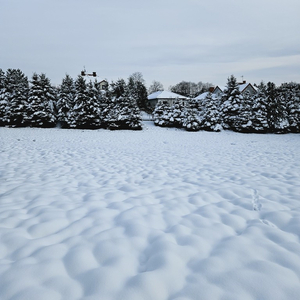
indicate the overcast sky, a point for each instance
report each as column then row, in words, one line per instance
column 166, row 40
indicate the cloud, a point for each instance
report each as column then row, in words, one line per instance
column 165, row 40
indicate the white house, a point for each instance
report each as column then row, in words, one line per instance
column 164, row 96
column 219, row 90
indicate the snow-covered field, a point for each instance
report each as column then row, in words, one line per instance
column 153, row 214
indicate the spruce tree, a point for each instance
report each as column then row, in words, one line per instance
column 85, row 113
column 124, row 114
column 137, row 90
column 16, row 96
column 3, row 100
column 277, row 119
column 289, row 95
column 211, row 114
column 259, row 116
column 77, row 112
column 231, row 106
column 41, row 100
column 245, row 113
column 162, row 114
column 177, row 114
column 65, row 102
column 191, row 119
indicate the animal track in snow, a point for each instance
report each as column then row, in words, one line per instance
column 255, row 201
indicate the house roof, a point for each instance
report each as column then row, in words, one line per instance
column 241, row 87
column 203, row 96
column 165, row 95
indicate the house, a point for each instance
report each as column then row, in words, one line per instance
column 103, row 84
column 218, row 91
column 164, row 96
column 245, row 87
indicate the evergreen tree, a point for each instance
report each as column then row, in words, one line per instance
column 277, row 120
column 259, row 116
column 289, row 95
column 118, row 88
column 177, row 114
column 162, row 114
column 191, row 120
column 231, row 106
column 245, row 113
column 65, row 103
column 16, row 96
column 124, row 114
column 211, row 114
column 3, row 101
column 86, row 110
column 137, row 90
column 42, row 96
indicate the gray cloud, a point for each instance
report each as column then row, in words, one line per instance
column 165, row 40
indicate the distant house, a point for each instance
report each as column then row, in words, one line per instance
column 219, row 90
column 103, row 84
column 245, row 87
column 164, row 96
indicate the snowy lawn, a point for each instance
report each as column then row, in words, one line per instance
column 153, row 214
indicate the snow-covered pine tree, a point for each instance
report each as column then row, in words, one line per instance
column 289, row 95
column 41, row 99
column 277, row 119
column 137, row 90
column 177, row 114
column 16, row 95
column 231, row 104
column 124, row 114
column 211, row 114
column 191, row 120
column 3, row 101
column 65, row 102
column 85, row 113
column 118, row 88
column 259, row 116
column 245, row 113
column 162, row 114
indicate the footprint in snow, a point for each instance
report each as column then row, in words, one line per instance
column 255, row 201
column 266, row 222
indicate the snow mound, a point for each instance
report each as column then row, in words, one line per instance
column 153, row 214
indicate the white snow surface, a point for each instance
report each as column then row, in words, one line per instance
column 153, row 214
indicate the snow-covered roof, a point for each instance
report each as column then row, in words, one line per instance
column 241, row 87
column 204, row 95
column 165, row 95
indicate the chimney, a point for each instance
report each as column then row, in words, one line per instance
column 211, row 89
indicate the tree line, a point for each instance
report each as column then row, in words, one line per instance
column 74, row 104
column 270, row 110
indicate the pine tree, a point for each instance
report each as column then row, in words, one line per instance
column 42, row 96
column 211, row 116
column 277, row 119
column 124, row 114
column 16, row 96
column 259, row 116
column 245, row 113
column 177, row 114
column 3, row 101
column 86, row 112
column 65, row 102
column 289, row 95
column 137, row 90
column 191, row 118
column 231, row 105
column 162, row 114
